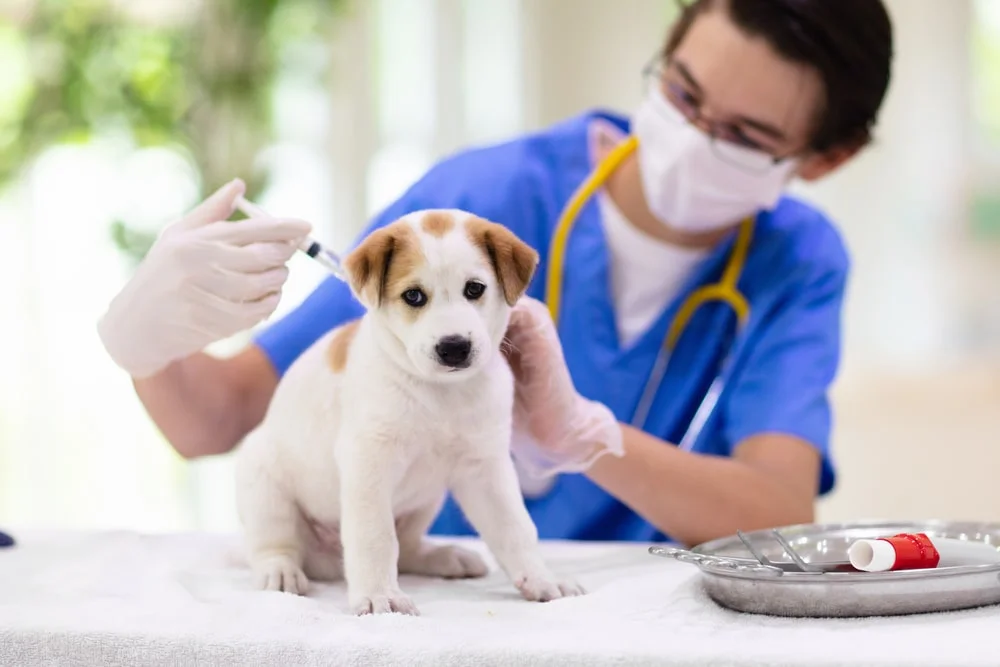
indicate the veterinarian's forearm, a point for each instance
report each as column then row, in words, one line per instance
column 205, row 406
column 696, row 497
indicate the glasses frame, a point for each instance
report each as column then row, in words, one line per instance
column 751, row 160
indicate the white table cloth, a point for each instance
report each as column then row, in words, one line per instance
column 129, row 599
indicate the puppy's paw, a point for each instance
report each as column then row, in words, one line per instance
column 384, row 602
column 279, row 573
column 446, row 561
column 543, row 588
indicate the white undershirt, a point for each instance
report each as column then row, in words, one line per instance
column 646, row 273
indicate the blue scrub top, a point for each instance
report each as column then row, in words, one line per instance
column 785, row 358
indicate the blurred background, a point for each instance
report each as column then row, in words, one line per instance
column 117, row 115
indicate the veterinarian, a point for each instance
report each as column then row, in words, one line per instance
column 723, row 409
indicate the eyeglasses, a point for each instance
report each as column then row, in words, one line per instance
column 728, row 141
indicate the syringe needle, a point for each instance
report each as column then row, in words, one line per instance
column 309, row 245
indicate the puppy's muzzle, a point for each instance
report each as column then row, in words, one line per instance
column 454, row 352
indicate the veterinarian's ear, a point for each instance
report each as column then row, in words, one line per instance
column 367, row 266
column 513, row 260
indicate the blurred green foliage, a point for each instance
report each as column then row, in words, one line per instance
column 199, row 82
column 985, row 46
column 986, row 216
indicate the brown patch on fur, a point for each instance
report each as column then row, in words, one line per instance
column 514, row 261
column 340, row 344
column 437, row 223
column 382, row 262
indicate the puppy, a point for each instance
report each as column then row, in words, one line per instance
column 371, row 427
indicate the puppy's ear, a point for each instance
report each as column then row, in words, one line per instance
column 513, row 260
column 367, row 266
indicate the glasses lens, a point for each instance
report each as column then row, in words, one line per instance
column 681, row 103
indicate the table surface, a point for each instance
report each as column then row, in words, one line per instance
column 115, row 598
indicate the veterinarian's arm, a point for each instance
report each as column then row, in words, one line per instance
column 205, row 406
column 777, row 419
column 690, row 497
column 771, row 480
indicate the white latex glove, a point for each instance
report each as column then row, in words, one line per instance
column 555, row 428
column 204, row 279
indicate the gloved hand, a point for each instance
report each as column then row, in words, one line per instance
column 204, row 279
column 555, row 428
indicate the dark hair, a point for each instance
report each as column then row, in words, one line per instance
column 848, row 42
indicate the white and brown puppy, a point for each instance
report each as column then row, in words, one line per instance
column 377, row 420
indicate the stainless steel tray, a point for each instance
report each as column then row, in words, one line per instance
column 736, row 579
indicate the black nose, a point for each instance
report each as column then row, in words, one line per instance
column 453, row 351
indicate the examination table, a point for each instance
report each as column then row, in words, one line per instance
column 129, row 599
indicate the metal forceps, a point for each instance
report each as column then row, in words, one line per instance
column 764, row 565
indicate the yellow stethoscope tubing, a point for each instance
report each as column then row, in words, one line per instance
column 725, row 291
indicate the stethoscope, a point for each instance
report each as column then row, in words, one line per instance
column 725, row 291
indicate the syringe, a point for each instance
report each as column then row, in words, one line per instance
column 309, row 245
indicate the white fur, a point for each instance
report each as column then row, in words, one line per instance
column 348, row 470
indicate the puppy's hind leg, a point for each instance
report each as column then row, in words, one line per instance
column 272, row 525
column 418, row 555
column 324, row 558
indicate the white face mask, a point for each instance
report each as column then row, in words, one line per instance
column 687, row 185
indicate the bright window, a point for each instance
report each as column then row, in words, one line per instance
column 986, row 70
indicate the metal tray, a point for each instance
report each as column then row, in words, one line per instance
column 734, row 578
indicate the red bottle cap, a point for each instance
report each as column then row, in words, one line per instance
column 914, row 551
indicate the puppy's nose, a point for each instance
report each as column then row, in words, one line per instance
column 453, row 351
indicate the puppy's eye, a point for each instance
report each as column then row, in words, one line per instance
column 414, row 298
column 474, row 289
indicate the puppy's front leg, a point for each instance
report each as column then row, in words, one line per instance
column 488, row 492
column 368, row 528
